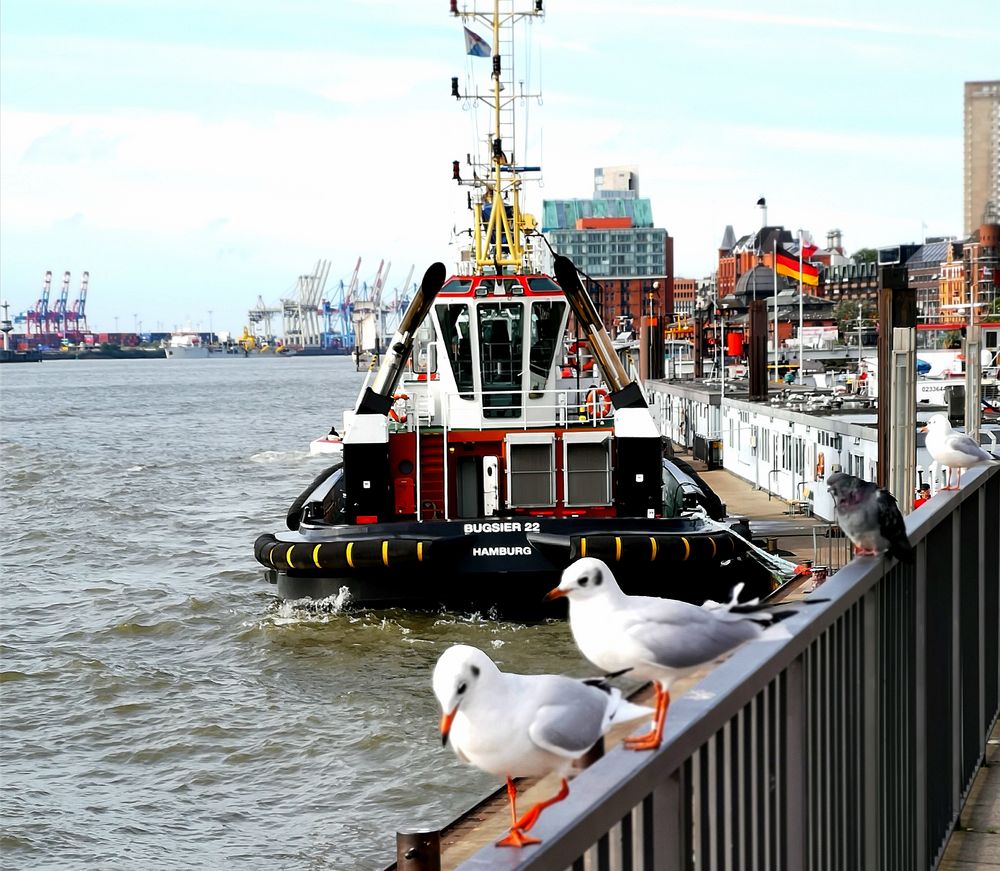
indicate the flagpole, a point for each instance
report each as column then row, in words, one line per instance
column 774, row 271
column 802, row 377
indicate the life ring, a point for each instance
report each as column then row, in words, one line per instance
column 398, row 416
column 820, row 465
column 598, row 403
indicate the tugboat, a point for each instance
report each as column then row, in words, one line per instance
column 472, row 473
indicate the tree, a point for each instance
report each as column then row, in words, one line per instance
column 847, row 316
column 865, row 255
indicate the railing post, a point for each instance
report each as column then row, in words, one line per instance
column 671, row 835
column 870, row 747
column 981, row 605
column 797, row 812
column 956, row 658
column 418, row 850
column 920, row 707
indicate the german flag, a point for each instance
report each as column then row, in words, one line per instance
column 788, row 265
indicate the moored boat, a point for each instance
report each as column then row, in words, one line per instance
column 472, row 473
column 331, row 443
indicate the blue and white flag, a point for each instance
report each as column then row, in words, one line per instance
column 476, row 45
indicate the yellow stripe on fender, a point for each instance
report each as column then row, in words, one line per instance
column 288, row 556
column 420, row 551
column 385, row 553
column 687, row 548
column 652, row 545
column 583, row 547
column 618, row 548
column 350, row 547
column 316, row 557
column 714, row 547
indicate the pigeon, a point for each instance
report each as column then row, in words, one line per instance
column 654, row 639
column 517, row 725
column 870, row 517
column 952, row 449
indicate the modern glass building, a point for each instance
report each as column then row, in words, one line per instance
column 611, row 237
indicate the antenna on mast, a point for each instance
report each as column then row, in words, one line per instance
column 500, row 226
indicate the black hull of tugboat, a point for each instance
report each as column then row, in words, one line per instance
column 504, row 566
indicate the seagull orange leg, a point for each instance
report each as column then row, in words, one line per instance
column 515, row 837
column 651, row 740
column 531, row 817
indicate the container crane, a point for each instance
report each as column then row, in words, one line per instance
column 392, row 322
column 55, row 321
column 347, row 325
column 377, row 291
column 366, row 318
column 78, row 312
column 39, row 314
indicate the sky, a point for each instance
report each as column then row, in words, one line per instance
column 196, row 156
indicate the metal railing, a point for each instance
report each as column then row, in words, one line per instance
column 850, row 745
column 563, row 407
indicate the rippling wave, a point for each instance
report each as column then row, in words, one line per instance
column 159, row 707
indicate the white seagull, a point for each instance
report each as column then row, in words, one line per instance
column 654, row 639
column 952, row 449
column 518, row 725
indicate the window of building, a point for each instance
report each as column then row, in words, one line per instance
column 786, row 453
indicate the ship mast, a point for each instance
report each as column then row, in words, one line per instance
column 499, row 224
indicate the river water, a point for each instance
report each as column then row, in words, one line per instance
column 159, row 708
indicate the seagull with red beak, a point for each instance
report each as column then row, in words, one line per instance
column 659, row 640
column 518, row 725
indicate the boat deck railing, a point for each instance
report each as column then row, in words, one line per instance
column 514, row 409
column 852, row 744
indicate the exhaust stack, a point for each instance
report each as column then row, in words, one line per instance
column 625, row 393
column 377, row 398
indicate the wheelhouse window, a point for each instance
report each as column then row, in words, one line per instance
column 455, row 322
column 546, row 330
column 501, row 335
column 424, row 354
column 542, row 283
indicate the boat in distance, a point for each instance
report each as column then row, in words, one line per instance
column 472, row 473
column 186, row 346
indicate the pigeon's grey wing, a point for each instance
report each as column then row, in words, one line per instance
column 966, row 445
column 570, row 720
column 694, row 642
column 892, row 527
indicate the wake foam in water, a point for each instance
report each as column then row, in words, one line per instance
column 279, row 456
column 296, row 611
